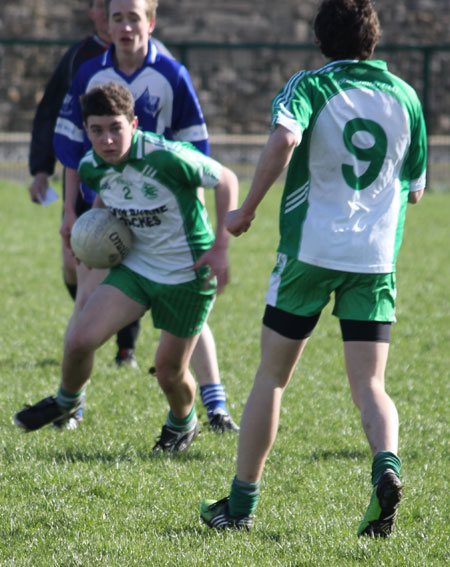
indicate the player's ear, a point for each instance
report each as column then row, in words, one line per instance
column 86, row 129
column 151, row 26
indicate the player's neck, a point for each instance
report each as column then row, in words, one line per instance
column 128, row 63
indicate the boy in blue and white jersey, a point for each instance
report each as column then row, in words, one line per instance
column 353, row 136
column 172, row 268
column 165, row 103
column 165, row 99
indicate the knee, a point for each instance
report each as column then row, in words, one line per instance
column 272, row 378
column 169, row 373
column 367, row 391
column 78, row 343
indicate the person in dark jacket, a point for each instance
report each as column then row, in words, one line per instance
column 41, row 157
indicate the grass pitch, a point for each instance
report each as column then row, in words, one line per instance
column 98, row 497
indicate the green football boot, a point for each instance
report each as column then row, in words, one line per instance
column 380, row 515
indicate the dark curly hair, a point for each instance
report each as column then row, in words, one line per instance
column 109, row 99
column 347, row 29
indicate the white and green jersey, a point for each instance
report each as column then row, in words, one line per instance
column 361, row 150
column 155, row 193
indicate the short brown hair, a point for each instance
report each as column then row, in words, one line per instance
column 347, row 29
column 109, row 99
column 151, row 8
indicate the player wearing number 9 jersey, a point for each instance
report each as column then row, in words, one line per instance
column 361, row 150
column 353, row 137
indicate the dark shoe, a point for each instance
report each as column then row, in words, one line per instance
column 380, row 516
column 215, row 514
column 221, row 422
column 126, row 357
column 44, row 412
column 71, row 423
column 171, row 440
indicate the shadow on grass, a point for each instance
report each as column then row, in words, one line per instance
column 11, row 363
column 346, row 454
column 127, row 454
column 203, row 531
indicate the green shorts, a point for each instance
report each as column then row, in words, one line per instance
column 304, row 289
column 180, row 309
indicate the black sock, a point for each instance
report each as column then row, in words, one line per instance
column 127, row 337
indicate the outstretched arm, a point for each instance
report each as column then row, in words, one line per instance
column 226, row 200
column 274, row 158
column 226, row 196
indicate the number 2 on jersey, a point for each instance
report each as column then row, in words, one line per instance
column 374, row 154
column 127, row 194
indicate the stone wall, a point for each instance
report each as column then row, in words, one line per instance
column 235, row 86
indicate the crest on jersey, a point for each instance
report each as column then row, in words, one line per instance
column 104, row 186
column 149, row 103
column 149, row 191
column 66, row 107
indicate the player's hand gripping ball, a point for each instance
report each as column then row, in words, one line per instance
column 99, row 239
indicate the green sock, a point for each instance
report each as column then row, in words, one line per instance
column 244, row 497
column 382, row 461
column 184, row 424
column 67, row 400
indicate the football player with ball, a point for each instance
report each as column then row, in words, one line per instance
column 165, row 103
column 174, row 268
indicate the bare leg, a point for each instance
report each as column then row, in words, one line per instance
column 92, row 326
column 259, row 424
column 204, row 359
column 69, row 265
column 172, row 371
column 366, row 364
column 87, row 282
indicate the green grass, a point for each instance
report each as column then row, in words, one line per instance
column 98, row 497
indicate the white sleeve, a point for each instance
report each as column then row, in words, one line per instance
column 287, row 119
